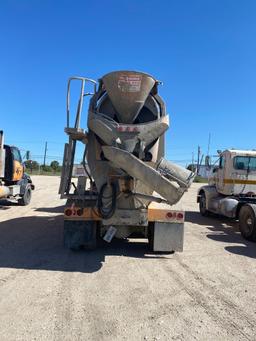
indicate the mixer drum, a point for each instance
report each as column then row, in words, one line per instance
column 128, row 121
column 128, row 91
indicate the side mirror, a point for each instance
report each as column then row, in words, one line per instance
column 215, row 169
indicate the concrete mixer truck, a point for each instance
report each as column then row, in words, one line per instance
column 127, row 187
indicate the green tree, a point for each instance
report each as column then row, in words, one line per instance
column 46, row 168
column 55, row 165
column 31, row 165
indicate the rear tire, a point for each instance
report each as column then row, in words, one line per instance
column 26, row 198
column 247, row 221
column 202, row 205
column 151, row 230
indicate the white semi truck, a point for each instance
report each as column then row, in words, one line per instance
column 231, row 191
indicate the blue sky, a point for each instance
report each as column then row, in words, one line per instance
column 203, row 51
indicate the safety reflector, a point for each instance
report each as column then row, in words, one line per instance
column 174, row 215
column 79, row 212
column 68, row 212
column 169, row 215
column 180, row 215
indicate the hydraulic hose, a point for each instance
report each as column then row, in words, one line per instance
column 84, row 165
column 105, row 212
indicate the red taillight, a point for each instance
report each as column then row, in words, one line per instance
column 175, row 215
column 68, row 212
column 180, row 215
column 79, row 212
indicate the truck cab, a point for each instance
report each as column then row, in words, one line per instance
column 14, row 182
column 14, row 169
column 232, row 190
column 236, row 173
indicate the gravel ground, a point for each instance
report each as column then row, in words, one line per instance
column 121, row 291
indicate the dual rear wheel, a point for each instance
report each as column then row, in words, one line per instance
column 247, row 218
column 202, row 205
column 247, row 221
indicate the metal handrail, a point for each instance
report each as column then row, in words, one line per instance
column 80, row 102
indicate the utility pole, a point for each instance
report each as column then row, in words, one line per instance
column 198, row 159
column 209, row 142
column 45, row 151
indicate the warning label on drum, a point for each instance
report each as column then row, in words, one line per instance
column 129, row 83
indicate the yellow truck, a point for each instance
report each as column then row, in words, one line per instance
column 14, row 182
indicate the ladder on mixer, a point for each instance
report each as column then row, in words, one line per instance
column 75, row 134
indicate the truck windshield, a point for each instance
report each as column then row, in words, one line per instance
column 221, row 162
column 245, row 162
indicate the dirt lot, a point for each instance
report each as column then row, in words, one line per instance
column 121, row 291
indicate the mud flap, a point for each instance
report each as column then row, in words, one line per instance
column 168, row 237
column 79, row 234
